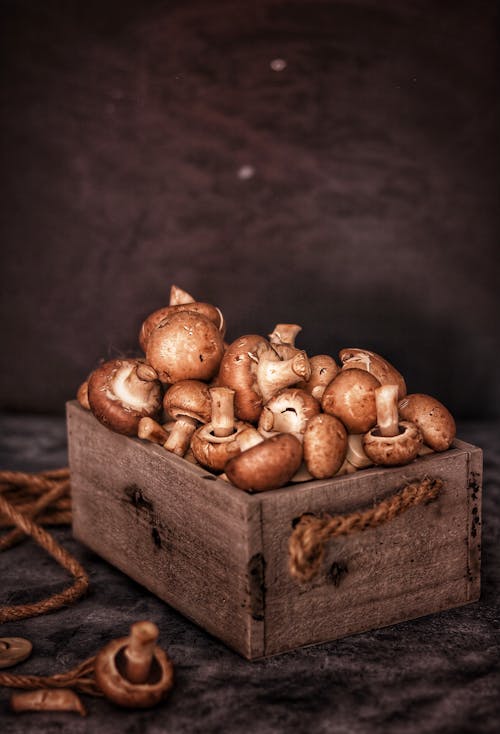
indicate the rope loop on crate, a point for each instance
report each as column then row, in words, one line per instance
column 306, row 544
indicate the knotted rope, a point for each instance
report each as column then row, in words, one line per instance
column 307, row 542
column 80, row 679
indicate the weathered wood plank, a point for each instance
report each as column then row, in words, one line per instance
column 414, row 565
column 169, row 525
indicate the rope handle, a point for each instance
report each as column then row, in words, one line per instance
column 306, row 545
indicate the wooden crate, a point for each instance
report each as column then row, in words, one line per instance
column 220, row 556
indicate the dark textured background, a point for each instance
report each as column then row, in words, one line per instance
column 371, row 217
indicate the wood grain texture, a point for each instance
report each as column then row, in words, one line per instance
column 220, row 556
column 414, row 565
column 169, row 525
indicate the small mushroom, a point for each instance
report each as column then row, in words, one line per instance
column 150, row 430
column 350, row 396
column 325, row 445
column 269, row 465
column 42, row 699
column 253, row 369
column 283, row 338
column 434, row 420
column 323, row 370
column 185, row 346
column 179, row 296
column 391, row 442
column 121, row 392
column 133, row 671
column 83, row 395
column 188, row 397
column 218, row 441
column 376, row 365
column 288, row 412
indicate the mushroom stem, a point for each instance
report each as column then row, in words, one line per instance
column 180, row 435
column 139, row 651
column 386, row 399
column 273, row 375
column 222, row 411
column 150, row 430
column 132, row 387
column 42, row 699
column 283, row 339
column 285, row 334
column 248, row 438
column 178, row 296
column 146, row 373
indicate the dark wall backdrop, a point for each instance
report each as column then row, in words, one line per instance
column 371, row 216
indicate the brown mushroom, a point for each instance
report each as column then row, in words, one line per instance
column 179, row 296
column 121, row 392
column 212, row 313
column 391, row 442
column 283, row 338
column 185, row 346
column 83, row 395
column 350, row 396
column 434, row 420
column 62, row 699
column 253, row 369
column 325, row 445
column 376, row 365
column 269, row 465
column 323, row 370
column 188, row 397
column 215, row 443
column 288, row 412
column 133, row 671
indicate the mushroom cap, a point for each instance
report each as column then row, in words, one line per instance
column 212, row 313
column 238, row 371
column 120, row 690
column 114, row 402
column 376, row 365
column 434, row 420
column 325, row 445
column 288, row 411
column 350, row 396
column 323, row 369
column 212, row 451
column 188, row 397
column 269, row 465
column 393, row 450
column 185, row 346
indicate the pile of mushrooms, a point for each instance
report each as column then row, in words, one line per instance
column 260, row 412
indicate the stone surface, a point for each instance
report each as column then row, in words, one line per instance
column 439, row 674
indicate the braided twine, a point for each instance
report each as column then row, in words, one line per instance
column 306, row 545
column 46, row 497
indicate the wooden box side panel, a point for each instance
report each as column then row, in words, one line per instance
column 171, row 527
column 418, row 563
